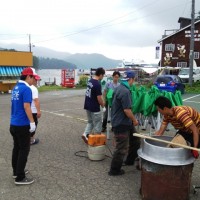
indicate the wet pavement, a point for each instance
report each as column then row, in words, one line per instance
column 59, row 174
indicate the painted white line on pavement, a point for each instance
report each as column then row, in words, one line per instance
column 193, row 101
column 59, row 114
column 68, row 109
column 191, row 97
column 67, row 116
column 82, row 119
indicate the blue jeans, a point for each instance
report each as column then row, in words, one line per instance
column 21, row 138
column 94, row 122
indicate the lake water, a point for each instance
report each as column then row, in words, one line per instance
column 48, row 75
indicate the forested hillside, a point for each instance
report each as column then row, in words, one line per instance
column 53, row 63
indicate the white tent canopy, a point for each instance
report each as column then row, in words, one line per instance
column 150, row 70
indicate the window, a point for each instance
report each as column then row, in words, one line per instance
column 163, row 80
column 169, row 47
column 182, row 64
column 196, row 55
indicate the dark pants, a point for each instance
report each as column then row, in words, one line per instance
column 36, row 122
column 105, row 117
column 21, row 138
column 134, row 145
column 188, row 137
column 121, row 148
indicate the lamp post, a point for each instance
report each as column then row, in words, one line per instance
column 191, row 55
column 29, row 36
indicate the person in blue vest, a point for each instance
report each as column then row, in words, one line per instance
column 21, row 125
column 123, row 122
column 93, row 101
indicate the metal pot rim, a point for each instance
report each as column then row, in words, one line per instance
column 163, row 155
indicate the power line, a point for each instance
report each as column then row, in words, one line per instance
column 106, row 24
column 100, row 25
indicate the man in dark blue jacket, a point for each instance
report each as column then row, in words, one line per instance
column 93, row 101
column 122, row 120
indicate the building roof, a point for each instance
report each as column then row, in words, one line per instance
column 177, row 32
column 183, row 18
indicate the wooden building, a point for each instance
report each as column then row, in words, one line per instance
column 11, row 65
column 175, row 48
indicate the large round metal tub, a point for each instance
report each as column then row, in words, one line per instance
column 166, row 172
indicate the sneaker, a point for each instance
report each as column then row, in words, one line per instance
column 116, row 173
column 25, row 181
column 85, row 139
column 25, row 171
column 35, row 141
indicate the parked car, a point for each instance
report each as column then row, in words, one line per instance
column 184, row 74
column 169, row 83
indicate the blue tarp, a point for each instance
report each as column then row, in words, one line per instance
column 10, row 71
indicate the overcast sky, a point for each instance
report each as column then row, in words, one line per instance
column 119, row 29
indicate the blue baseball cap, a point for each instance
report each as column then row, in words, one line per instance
column 128, row 74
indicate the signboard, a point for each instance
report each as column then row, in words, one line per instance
column 157, row 52
column 196, row 34
column 68, row 78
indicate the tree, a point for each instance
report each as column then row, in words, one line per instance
column 35, row 62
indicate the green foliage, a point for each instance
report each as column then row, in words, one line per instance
column 35, row 62
column 83, row 80
column 46, row 88
column 195, row 88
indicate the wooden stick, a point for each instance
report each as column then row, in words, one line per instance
column 164, row 141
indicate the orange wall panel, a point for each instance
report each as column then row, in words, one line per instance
column 12, row 58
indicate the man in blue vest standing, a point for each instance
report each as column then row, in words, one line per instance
column 21, row 125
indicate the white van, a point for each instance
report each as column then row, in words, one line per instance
column 184, row 74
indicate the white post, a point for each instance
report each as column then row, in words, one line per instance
column 108, row 121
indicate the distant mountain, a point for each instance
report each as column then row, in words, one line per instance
column 82, row 61
column 53, row 63
column 92, row 60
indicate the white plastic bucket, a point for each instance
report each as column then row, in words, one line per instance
column 96, row 152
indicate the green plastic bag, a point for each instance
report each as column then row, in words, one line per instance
column 109, row 96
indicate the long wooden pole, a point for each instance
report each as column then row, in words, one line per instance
column 164, row 141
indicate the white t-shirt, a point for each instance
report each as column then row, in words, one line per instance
column 34, row 96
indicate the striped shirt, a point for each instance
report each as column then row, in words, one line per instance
column 183, row 118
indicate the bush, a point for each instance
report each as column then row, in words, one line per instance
column 83, row 80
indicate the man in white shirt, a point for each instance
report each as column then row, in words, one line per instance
column 35, row 107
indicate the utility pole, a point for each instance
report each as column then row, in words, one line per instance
column 29, row 36
column 192, row 43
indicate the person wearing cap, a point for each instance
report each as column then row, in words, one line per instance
column 21, row 124
column 110, row 85
column 93, row 101
column 35, row 106
column 122, row 120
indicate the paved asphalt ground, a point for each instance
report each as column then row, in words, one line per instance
column 58, row 173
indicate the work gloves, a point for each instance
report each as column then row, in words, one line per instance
column 32, row 127
column 195, row 154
